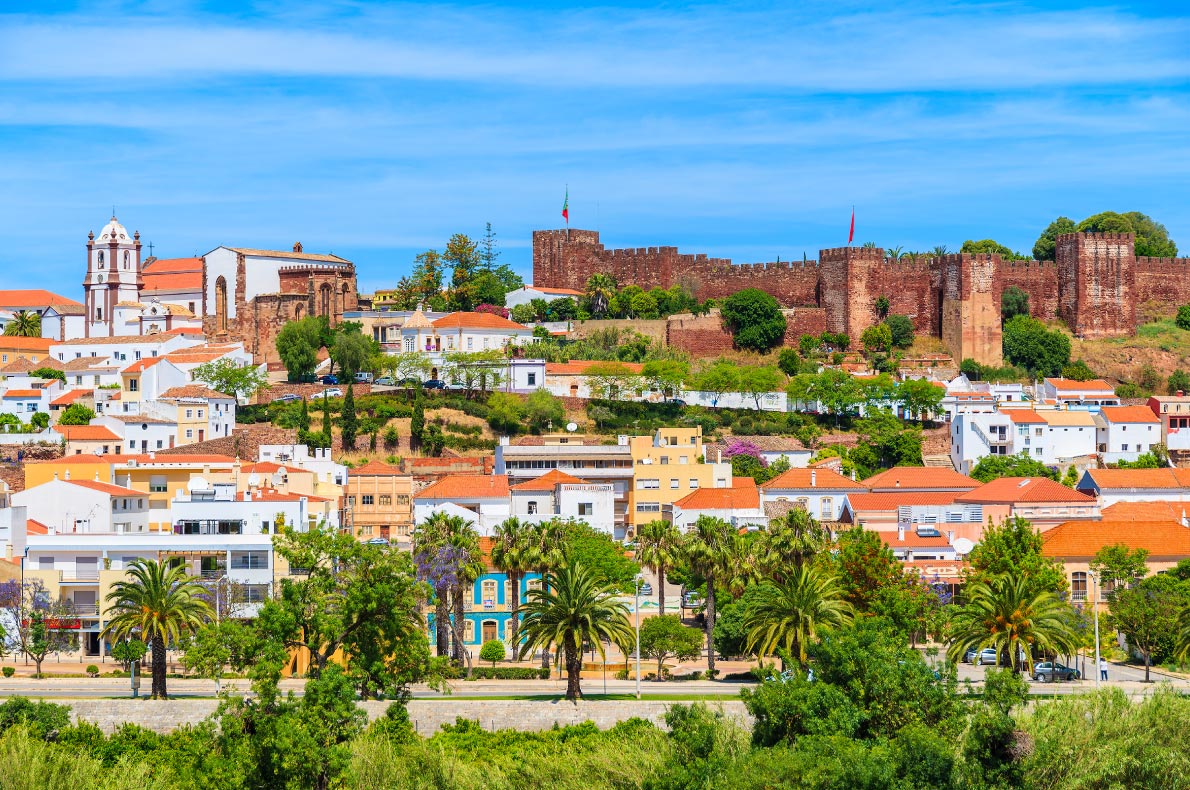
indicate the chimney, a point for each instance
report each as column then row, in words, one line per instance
column 67, row 475
column 719, row 455
column 898, row 483
column 813, row 478
column 900, row 532
column 152, row 455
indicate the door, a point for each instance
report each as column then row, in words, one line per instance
column 489, row 630
column 201, row 434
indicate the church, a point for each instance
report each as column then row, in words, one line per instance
column 229, row 294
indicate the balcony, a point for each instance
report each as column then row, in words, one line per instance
column 88, row 575
column 85, row 609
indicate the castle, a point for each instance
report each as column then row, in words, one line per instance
column 1094, row 285
column 229, row 294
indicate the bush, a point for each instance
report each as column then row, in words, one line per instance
column 8, row 672
column 40, row 718
column 754, row 319
column 92, row 670
column 901, row 329
column 492, row 651
column 1029, row 344
column 510, row 673
column 1183, row 317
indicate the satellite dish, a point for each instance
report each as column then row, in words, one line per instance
column 963, row 545
column 199, row 484
column 572, row 426
column 253, row 480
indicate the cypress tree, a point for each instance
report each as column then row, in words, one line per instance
column 304, row 417
column 326, row 418
column 417, row 425
column 348, row 424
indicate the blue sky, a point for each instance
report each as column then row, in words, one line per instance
column 375, row 130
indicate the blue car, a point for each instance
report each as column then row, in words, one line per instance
column 329, row 380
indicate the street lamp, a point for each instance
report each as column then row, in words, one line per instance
column 636, row 608
column 1094, row 575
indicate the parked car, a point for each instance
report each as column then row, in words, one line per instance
column 384, row 381
column 1052, row 670
column 333, row 392
column 363, row 377
column 675, row 401
column 409, row 383
column 986, row 656
column 290, row 398
column 456, row 387
column 329, row 380
column 646, row 589
column 435, row 384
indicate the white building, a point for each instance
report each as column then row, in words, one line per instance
column 219, row 509
column 822, row 492
column 469, row 332
column 527, row 293
column 559, row 495
column 739, row 505
column 123, row 350
column 1051, row 436
column 1124, row 433
column 1067, row 392
column 482, row 500
column 1111, row 486
column 74, row 507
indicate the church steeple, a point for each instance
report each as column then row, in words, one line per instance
column 113, row 276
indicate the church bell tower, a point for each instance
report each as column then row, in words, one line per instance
column 113, row 276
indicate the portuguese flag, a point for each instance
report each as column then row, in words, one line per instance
column 566, row 206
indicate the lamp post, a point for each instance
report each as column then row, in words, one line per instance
column 636, row 609
column 1094, row 575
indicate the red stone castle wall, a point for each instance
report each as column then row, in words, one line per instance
column 1039, row 279
column 1166, row 280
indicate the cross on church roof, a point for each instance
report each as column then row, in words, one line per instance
column 150, row 249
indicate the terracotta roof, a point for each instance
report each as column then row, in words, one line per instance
column 1068, row 419
column 135, row 418
column 559, row 291
column 1069, row 385
column 297, row 256
column 195, row 391
column 1120, row 414
column 67, row 398
column 36, row 527
column 32, row 297
column 920, row 477
column 199, row 357
column 547, row 482
column 476, row 321
column 892, row 500
column 116, row 340
column 1085, row 538
column 466, row 487
column 140, row 365
column 269, row 467
column 743, row 495
column 87, row 363
column 801, row 479
column 1024, row 416
column 1140, row 478
column 87, row 433
column 579, row 367
column 376, row 468
column 767, row 444
column 1145, row 511
column 182, row 330
column 15, row 343
column 107, row 488
column 273, row 495
column 67, row 309
column 23, row 393
column 912, row 540
column 1024, row 489
column 173, row 274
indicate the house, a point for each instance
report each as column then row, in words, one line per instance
column 90, row 439
column 573, row 379
column 200, row 412
column 822, row 492
column 1124, row 433
column 527, row 293
column 925, row 546
column 141, row 433
column 70, row 507
column 881, row 512
column 668, row 465
column 380, row 503
column 1075, row 544
column 65, row 400
column 304, row 470
column 481, row 500
column 173, row 282
column 738, row 504
column 557, row 495
column 207, row 508
column 1147, row 511
column 1043, row 502
column 123, row 349
column 1051, row 436
column 1174, row 413
column 918, row 478
column 23, row 403
column 31, row 349
column 460, row 331
column 1136, row 485
column 430, row 470
column 771, row 449
column 1067, row 392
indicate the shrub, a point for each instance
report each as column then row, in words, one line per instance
column 1183, row 317
column 493, row 650
column 754, row 319
column 510, row 673
column 38, row 717
column 92, row 670
column 8, row 672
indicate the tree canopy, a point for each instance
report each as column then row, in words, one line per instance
column 1038, row 350
column 992, row 467
column 754, row 319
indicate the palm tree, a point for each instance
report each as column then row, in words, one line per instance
column 157, row 603
column 601, row 288
column 940, row 250
column 896, row 253
column 715, row 551
column 658, row 545
column 570, row 610
column 548, row 553
column 513, row 553
column 463, row 543
column 436, row 564
column 1009, row 614
column 790, row 543
column 24, row 324
column 789, row 615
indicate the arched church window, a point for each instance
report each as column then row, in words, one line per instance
column 101, row 279
column 221, row 304
column 127, row 258
column 100, row 259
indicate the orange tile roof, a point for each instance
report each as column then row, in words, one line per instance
column 743, row 495
column 1140, row 478
column 376, row 468
column 14, row 343
column 892, row 500
column 1069, row 385
column 561, row 291
column 269, row 467
column 920, row 477
column 33, row 297
column 86, row 433
column 23, row 393
column 184, row 330
column 1145, row 511
column 464, row 320
column 801, row 479
column 173, row 274
column 195, row 391
column 179, row 458
column 140, row 365
column 579, row 367
column 115, row 340
column 67, row 398
column 106, row 488
column 24, row 365
column 547, row 482
column 1024, row 416
column 1086, row 538
column 1128, row 414
column 297, row 256
column 185, row 357
column 466, row 487
column 912, row 540
column 36, row 527
column 273, row 495
column 1024, row 489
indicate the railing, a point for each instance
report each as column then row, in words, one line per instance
column 81, row 576
column 86, row 609
column 211, row 575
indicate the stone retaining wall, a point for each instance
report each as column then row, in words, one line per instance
column 428, row 715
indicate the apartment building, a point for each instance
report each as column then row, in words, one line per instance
column 379, row 503
column 667, row 466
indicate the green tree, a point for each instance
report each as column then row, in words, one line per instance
column 876, row 339
column 987, row 247
column 885, row 442
column 865, row 566
column 789, row 544
column 570, row 610
column 159, row 603
column 1152, row 239
column 790, row 615
column 26, row 323
column 882, row 306
column 543, row 411
column 1147, row 615
column 326, row 418
column 49, row 374
column 1013, row 302
column 523, row 314
column 1012, row 615
column 488, row 289
column 664, row 637
column 127, row 651
column 506, row 413
column 352, row 350
column 757, row 381
column 40, row 421
column 463, row 254
column 993, row 467
column 348, row 422
column 404, row 365
column 1117, row 566
column 417, row 423
column 207, row 652
column 601, row 289
column 900, row 330
column 515, row 551
column 1179, row 381
column 1013, row 549
column 716, row 379
column 754, row 319
column 666, row 375
column 789, row 361
column 1029, row 344
column 610, row 380
column 76, row 414
column 659, row 546
column 1044, row 249
column 298, row 344
column 475, row 370
column 1183, row 317
column 604, row 558
column 303, row 423
column 224, row 375
column 920, row 397
column 715, row 551
column 1078, row 371
column 492, row 651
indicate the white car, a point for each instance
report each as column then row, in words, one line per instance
column 334, row 392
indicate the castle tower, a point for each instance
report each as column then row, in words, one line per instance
column 1096, row 283
column 113, row 276
column 848, row 288
column 566, row 258
column 971, row 308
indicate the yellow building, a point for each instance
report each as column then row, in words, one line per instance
column 33, row 349
column 667, row 466
column 380, row 502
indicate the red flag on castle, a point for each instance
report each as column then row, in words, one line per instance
column 851, row 233
column 566, row 207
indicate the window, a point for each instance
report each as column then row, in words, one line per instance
column 649, row 485
column 694, row 482
column 249, row 560
column 665, row 460
column 137, row 356
column 367, row 499
column 200, row 414
column 673, row 483
column 386, row 500
column 532, row 508
column 189, row 433
column 586, row 509
column 132, row 385
column 532, row 379
column 1124, row 447
column 470, row 343
column 533, row 584
column 683, row 459
column 189, row 413
column 1078, row 586
column 468, row 630
column 158, row 484
column 98, row 313
column 410, row 343
column 159, row 444
column 101, row 259
column 256, row 593
column 489, row 592
column 648, row 507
